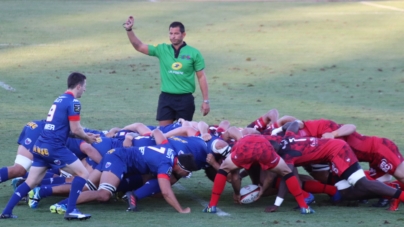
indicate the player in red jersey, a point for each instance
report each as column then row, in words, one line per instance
column 301, row 151
column 247, row 151
column 382, row 154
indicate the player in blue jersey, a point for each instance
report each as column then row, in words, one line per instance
column 50, row 150
column 160, row 160
column 23, row 160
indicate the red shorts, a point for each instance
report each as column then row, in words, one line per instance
column 387, row 158
column 254, row 149
column 342, row 156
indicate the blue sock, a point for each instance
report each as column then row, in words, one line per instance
column 151, row 187
column 3, row 174
column 77, row 185
column 20, row 192
column 130, row 183
column 53, row 181
column 63, row 201
column 45, row 191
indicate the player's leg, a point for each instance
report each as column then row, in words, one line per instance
column 34, row 177
column 219, row 183
column 22, row 163
column 292, row 184
column 80, row 174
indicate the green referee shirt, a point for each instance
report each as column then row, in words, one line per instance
column 177, row 70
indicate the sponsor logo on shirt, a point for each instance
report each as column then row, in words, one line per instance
column 187, row 57
column 176, row 66
column 169, row 171
column 32, row 125
column 77, row 108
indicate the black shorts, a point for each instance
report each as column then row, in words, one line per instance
column 172, row 107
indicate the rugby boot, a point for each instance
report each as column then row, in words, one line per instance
column 76, row 215
column 131, row 201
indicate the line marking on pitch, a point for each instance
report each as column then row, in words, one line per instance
column 201, row 201
column 382, row 6
column 6, row 86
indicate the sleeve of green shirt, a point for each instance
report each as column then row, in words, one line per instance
column 153, row 50
column 199, row 63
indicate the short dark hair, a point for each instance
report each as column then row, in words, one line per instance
column 187, row 161
column 176, row 24
column 75, row 79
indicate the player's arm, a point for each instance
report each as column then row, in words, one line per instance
column 236, row 184
column 134, row 40
column 210, row 159
column 111, row 133
column 91, row 152
column 77, row 131
column 168, row 194
column 285, row 119
column 140, row 128
column 344, row 130
column 181, row 131
column 203, row 84
column 158, row 136
column 232, row 133
column 203, row 129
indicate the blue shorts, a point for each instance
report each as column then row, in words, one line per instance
column 92, row 163
column 46, row 155
column 28, row 138
column 113, row 164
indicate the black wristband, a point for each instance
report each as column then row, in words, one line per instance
column 128, row 30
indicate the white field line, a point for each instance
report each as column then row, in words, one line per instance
column 382, row 6
column 24, row 44
column 201, row 201
column 349, row 13
column 6, row 86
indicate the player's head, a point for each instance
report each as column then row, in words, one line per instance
column 220, row 147
column 185, row 164
column 77, row 82
column 176, row 32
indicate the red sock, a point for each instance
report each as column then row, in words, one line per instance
column 218, row 187
column 315, row 187
column 294, row 188
column 401, row 197
column 367, row 174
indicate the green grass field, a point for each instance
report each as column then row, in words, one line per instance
column 310, row 59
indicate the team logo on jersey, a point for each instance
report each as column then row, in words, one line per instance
column 57, row 162
column 187, row 57
column 27, row 141
column 107, row 165
column 98, row 140
column 385, row 165
column 111, row 151
column 77, row 108
column 176, row 66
